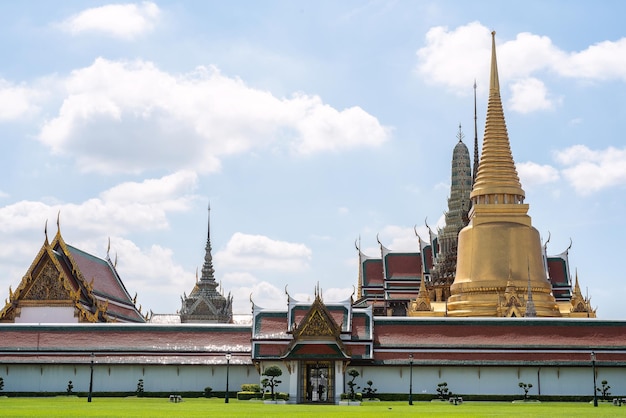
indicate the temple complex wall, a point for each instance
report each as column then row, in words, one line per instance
column 471, row 380
column 124, row 378
column 49, row 314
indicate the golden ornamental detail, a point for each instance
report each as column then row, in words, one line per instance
column 317, row 326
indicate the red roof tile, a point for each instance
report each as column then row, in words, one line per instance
column 373, row 272
column 105, row 282
column 403, row 265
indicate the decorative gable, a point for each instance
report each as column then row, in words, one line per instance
column 318, row 326
column 48, row 285
column 58, row 278
column 317, row 335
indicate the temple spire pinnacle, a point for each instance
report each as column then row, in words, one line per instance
column 475, row 168
column 531, row 312
column 207, row 268
column 496, row 179
column 494, row 80
column 206, row 302
column 460, row 135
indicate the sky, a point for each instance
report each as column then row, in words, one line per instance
column 307, row 126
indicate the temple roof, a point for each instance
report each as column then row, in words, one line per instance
column 205, row 303
column 63, row 275
column 125, row 343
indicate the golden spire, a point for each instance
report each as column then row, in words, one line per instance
column 497, row 177
column 499, row 252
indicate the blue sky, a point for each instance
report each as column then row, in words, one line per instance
column 306, row 125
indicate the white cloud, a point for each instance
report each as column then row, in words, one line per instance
column 239, row 279
column 602, row 61
column 17, row 101
column 263, row 294
column 124, row 21
column 529, row 95
column 590, row 171
column 131, row 116
column 335, row 294
column 399, row 238
column 257, row 252
column 446, row 52
column 114, row 212
column 534, row 174
column 520, row 63
column 159, row 191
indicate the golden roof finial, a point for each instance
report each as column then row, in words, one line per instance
column 496, row 171
column 494, row 80
column 577, row 291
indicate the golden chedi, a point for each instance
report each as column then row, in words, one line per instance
column 500, row 264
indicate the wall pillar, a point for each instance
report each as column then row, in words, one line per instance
column 339, row 380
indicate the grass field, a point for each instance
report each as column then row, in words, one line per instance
column 200, row 407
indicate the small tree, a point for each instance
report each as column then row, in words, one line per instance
column 525, row 387
column 272, row 373
column 369, row 391
column 207, row 391
column 442, row 390
column 69, row 388
column 604, row 390
column 139, row 390
column 1, row 384
column 354, row 373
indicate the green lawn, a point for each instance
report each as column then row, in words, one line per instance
column 154, row 407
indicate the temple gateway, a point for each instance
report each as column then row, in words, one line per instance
column 480, row 305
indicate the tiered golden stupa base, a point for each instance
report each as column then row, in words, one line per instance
column 494, row 299
column 497, row 262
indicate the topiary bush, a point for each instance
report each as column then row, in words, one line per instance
column 250, row 387
column 442, row 391
column 604, row 390
column 69, row 388
column 277, row 396
column 368, row 391
column 354, row 373
column 247, row 395
column 139, row 390
column 272, row 373
column 357, row 396
column 525, row 387
column 207, row 391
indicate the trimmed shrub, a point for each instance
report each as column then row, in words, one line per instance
column 279, row 396
column 369, row 391
column 270, row 381
column 246, row 395
column 358, row 396
column 354, row 373
column 250, row 387
column 139, row 390
column 207, row 391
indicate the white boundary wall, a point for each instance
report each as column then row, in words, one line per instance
column 124, row 378
column 467, row 380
